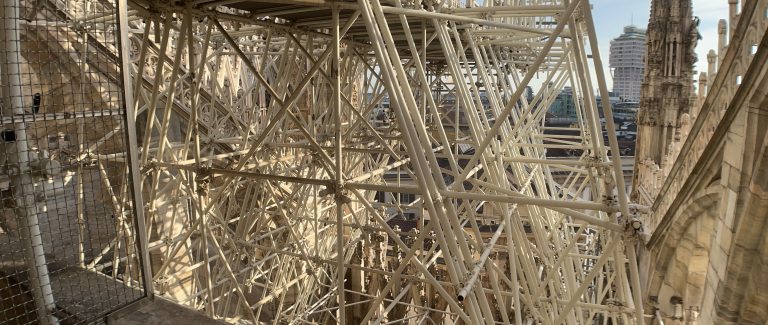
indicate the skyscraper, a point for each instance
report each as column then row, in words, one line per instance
column 627, row 60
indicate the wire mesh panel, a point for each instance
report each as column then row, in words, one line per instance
column 68, row 252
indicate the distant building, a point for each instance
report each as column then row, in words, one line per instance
column 563, row 106
column 627, row 59
column 528, row 94
column 613, row 98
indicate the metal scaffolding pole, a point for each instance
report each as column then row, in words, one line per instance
column 317, row 131
column 19, row 155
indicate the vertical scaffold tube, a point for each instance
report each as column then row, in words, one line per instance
column 18, row 160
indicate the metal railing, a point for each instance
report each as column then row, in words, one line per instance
column 68, row 242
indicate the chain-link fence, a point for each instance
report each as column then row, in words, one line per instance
column 68, row 248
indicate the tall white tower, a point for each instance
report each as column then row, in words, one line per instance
column 627, row 60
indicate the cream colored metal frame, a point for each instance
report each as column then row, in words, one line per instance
column 262, row 155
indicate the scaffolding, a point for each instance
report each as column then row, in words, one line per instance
column 68, row 252
column 313, row 161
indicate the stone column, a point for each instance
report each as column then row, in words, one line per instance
column 733, row 16
column 722, row 38
column 711, row 67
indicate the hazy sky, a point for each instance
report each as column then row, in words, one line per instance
column 612, row 15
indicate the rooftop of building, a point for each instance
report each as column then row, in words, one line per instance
column 632, row 32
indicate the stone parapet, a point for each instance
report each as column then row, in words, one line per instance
column 664, row 187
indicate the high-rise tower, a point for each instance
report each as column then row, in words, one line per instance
column 627, row 58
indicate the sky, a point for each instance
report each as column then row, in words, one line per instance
column 612, row 15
